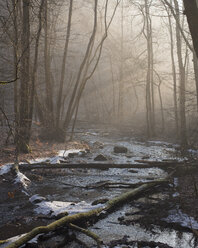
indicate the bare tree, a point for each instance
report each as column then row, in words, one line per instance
column 183, row 136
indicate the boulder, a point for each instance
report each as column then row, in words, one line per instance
column 120, row 149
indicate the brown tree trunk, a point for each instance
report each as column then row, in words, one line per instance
column 60, row 91
column 191, row 11
column 173, row 74
column 150, row 115
column 24, row 132
column 121, row 82
column 47, row 60
column 35, row 65
column 183, row 137
column 195, row 64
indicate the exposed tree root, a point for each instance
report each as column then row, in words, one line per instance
column 93, row 214
column 88, row 233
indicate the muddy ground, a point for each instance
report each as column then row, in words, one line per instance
column 165, row 216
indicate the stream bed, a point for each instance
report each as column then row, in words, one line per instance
column 154, row 219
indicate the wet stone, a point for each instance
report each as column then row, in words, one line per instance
column 120, row 149
column 100, row 157
column 73, row 154
column 99, row 144
column 133, row 171
column 146, row 157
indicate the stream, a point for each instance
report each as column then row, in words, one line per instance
column 155, row 218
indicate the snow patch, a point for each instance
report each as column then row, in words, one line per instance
column 21, row 178
column 56, row 160
column 57, row 207
column 65, row 153
column 36, row 199
column 5, row 169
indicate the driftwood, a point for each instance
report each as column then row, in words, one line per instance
column 109, row 207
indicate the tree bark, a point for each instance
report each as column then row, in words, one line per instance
column 191, row 11
column 24, row 131
column 183, row 137
column 60, row 91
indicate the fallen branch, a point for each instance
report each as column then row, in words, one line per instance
column 115, row 185
column 90, row 215
column 88, row 233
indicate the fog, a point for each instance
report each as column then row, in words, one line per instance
column 124, row 73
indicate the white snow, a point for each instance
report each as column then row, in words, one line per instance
column 57, row 207
column 36, row 198
column 21, row 178
column 65, row 153
column 55, row 160
column 5, row 169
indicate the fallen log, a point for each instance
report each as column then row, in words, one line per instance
column 100, row 166
column 109, row 207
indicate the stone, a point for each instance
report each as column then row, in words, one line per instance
column 120, row 149
column 73, row 154
column 100, row 157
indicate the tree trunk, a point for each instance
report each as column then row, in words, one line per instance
column 47, row 60
column 149, row 77
column 174, row 74
column 121, row 82
column 60, row 92
column 191, row 11
column 183, row 138
column 195, row 64
column 24, row 131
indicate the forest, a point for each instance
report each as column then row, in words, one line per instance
column 99, row 123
